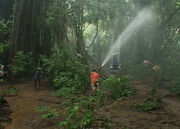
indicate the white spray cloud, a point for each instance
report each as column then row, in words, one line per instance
column 143, row 18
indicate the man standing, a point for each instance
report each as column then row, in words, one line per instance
column 94, row 78
column 37, row 78
column 2, row 71
column 115, row 63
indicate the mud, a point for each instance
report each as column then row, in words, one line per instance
column 123, row 116
column 4, row 113
column 23, row 106
column 121, row 113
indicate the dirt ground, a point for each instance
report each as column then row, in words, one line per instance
column 23, row 106
column 125, row 117
column 120, row 113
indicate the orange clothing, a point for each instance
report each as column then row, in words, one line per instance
column 94, row 77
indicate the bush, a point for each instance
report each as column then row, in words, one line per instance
column 48, row 113
column 117, row 87
column 65, row 71
column 23, row 65
column 176, row 86
column 81, row 113
column 66, row 92
column 148, row 105
column 11, row 92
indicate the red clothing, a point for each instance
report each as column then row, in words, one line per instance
column 94, row 77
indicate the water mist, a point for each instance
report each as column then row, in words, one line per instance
column 144, row 18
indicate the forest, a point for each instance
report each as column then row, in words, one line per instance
column 89, row 64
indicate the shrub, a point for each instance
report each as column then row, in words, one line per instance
column 66, row 92
column 23, row 65
column 80, row 113
column 117, row 87
column 48, row 113
column 11, row 92
column 176, row 86
column 67, row 79
column 65, row 71
column 148, row 105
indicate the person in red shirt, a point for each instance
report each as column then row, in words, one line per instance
column 94, row 78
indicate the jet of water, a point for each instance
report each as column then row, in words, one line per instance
column 143, row 18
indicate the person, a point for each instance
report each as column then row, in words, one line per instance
column 115, row 63
column 2, row 71
column 94, row 78
column 147, row 63
column 37, row 78
column 156, row 68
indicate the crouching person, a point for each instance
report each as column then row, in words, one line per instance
column 37, row 78
column 94, row 81
column 156, row 68
column 1, row 70
column 147, row 63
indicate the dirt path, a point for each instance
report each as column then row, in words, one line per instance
column 121, row 113
column 23, row 106
column 124, row 117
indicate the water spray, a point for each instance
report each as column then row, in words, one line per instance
column 143, row 18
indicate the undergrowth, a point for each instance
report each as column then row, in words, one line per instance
column 23, row 66
column 10, row 91
column 116, row 87
column 66, row 71
column 176, row 86
column 47, row 113
column 150, row 104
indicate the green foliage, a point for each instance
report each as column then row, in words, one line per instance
column 117, row 87
column 23, row 65
column 123, row 124
column 11, row 92
column 176, row 86
column 148, row 105
column 1, row 80
column 66, row 92
column 65, row 71
column 3, row 47
column 48, row 113
column 143, row 72
column 81, row 113
column 67, row 79
column 5, row 29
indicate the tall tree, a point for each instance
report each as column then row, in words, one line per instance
column 27, row 36
column 6, row 8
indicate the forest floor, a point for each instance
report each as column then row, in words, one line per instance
column 121, row 113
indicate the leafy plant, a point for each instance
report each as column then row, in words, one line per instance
column 23, row 65
column 65, row 71
column 5, row 29
column 176, row 86
column 123, row 124
column 148, row 105
column 66, row 92
column 11, row 92
column 81, row 113
column 116, row 87
column 48, row 113
column 1, row 80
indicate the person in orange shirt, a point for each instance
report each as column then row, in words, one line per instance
column 94, row 78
